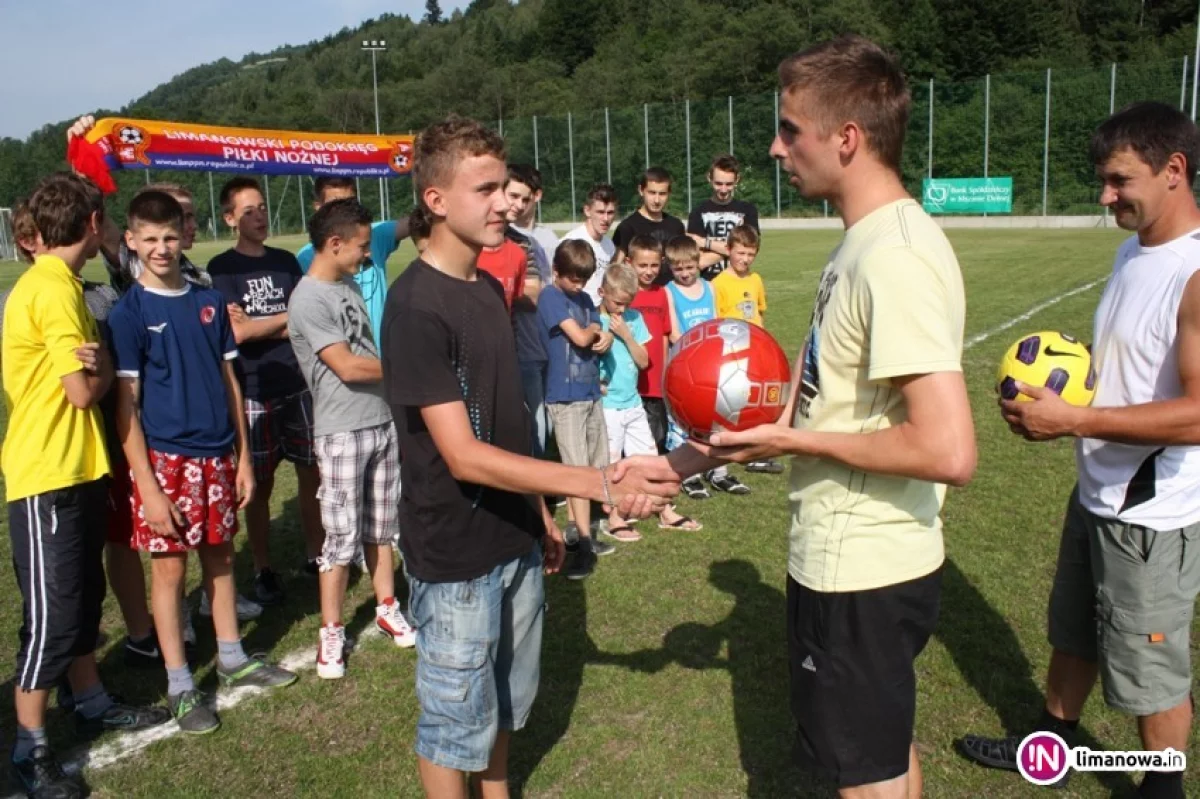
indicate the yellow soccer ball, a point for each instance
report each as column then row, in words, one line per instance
column 1055, row 360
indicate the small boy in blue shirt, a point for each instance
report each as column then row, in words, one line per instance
column 573, row 339
column 624, row 415
column 692, row 302
column 179, row 417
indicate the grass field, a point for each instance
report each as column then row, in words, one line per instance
column 665, row 673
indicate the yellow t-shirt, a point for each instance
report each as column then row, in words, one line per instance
column 50, row 443
column 890, row 304
column 740, row 297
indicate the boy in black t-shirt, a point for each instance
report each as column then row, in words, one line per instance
column 257, row 281
column 650, row 219
column 471, row 496
column 709, row 222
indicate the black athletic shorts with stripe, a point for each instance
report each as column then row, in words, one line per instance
column 57, row 549
column 854, row 689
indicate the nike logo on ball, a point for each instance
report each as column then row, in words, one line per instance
column 1053, row 353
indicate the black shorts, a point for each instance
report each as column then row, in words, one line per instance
column 854, row 690
column 57, row 550
column 656, row 416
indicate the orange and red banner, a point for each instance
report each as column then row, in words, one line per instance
column 146, row 144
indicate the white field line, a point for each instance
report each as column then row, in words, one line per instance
column 123, row 747
column 979, row 338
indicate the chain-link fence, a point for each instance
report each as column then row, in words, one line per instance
column 1033, row 127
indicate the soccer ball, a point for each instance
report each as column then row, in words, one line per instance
column 130, row 135
column 1051, row 359
column 725, row 374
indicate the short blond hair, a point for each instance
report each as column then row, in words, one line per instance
column 645, row 244
column 682, row 248
column 620, row 280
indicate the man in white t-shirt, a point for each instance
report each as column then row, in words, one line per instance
column 1129, row 561
column 599, row 211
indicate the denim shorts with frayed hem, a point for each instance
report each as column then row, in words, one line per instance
column 479, row 646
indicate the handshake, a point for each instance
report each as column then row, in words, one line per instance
column 640, row 486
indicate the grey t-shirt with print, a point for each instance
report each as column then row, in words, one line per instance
column 320, row 314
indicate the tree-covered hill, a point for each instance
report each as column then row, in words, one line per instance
column 498, row 60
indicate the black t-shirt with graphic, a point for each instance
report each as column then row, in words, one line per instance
column 714, row 220
column 662, row 231
column 262, row 286
column 451, row 340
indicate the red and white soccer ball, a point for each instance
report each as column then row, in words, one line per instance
column 725, row 374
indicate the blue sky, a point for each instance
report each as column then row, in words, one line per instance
column 63, row 58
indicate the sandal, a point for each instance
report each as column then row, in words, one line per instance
column 624, row 533
column 685, row 523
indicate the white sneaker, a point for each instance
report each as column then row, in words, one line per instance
column 331, row 663
column 391, row 622
column 247, row 609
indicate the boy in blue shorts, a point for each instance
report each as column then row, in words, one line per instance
column 179, row 416
column 692, row 302
column 477, row 535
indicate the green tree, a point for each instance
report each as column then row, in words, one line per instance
column 641, row 59
column 433, row 12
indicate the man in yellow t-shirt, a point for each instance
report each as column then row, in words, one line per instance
column 740, row 292
column 55, row 371
column 878, row 422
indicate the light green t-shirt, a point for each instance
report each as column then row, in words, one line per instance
column 890, row 304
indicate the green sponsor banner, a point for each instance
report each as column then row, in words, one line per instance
column 967, row 195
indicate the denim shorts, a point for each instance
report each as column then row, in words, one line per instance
column 479, row 645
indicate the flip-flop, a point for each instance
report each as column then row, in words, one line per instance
column 681, row 524
column 624, row 533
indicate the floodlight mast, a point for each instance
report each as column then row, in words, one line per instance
column 374, row 46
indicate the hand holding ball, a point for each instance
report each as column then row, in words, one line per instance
column 1051, row 359
column 726, row 374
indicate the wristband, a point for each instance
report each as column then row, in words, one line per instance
column 607, row 496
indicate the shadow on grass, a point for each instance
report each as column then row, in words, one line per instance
column 566, row 649
column 988, row 654
column 757, row 664
column 302, row 600
column 754, row 633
